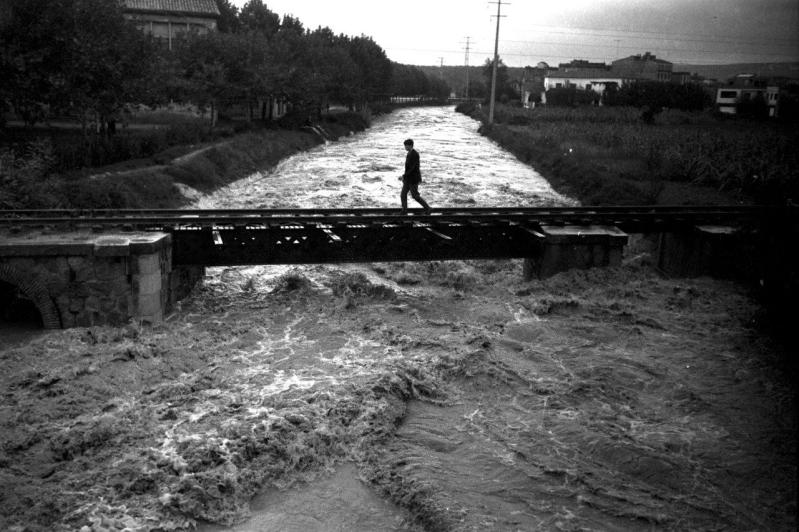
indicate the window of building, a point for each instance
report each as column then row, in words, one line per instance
column 728, row 94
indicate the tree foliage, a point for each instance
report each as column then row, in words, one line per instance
column 76, row 56
column 571, row 97
column 504, row 90
column 659, row 95
column 83, row 58
column 228, row 21
column 408, row 80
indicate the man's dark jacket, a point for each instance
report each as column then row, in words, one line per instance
column 413, row 174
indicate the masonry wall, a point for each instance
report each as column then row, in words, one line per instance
column 96, row 280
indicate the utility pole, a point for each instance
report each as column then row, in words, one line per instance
column 467, row 68
column 441, row 68
column 494, row 70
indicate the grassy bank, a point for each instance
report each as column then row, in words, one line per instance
column 609, row 155
column 28, row 178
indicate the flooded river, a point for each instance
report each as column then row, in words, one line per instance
column 459, row 167
column 543, row 424
column 411, row 396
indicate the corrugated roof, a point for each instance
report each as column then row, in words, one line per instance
column 198, row 7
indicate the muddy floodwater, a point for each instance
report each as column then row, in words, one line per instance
column 407, row 396
column 459, row 168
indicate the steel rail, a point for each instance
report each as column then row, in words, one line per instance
column 72, row 213
column 239, row 217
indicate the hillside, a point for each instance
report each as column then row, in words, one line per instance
column 722, row 72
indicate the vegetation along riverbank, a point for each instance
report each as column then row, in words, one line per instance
column 160, row 162
column 611, row 155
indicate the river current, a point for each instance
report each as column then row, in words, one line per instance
column 457, row 396
column 459, row 168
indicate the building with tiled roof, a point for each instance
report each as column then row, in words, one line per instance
column 643, row 67
column 590, row 79
column 582, row 64
column 587, row 78
column 165, row 19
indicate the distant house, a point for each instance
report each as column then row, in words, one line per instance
column 582, row 64
column 532, row 83
column 165, row 19
column 744, row 88
column 642, row 67
column 587, row 79
column 681, row 78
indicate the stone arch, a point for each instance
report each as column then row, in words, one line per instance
column 33, row 288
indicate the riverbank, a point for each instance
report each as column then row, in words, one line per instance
column 609, row 156
column 161, row 181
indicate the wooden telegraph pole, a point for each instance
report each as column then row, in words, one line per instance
column 494, row 70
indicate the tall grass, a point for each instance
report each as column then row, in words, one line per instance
column 754, row 159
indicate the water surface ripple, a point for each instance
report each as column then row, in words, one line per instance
column 460, row 167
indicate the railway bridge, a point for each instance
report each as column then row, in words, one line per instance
column 87, row 267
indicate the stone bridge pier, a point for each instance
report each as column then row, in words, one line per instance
column 84, row 279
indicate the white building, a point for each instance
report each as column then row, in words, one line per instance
column 743, row 88
column 586, row 79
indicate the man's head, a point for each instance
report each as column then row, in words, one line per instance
column 408, row 144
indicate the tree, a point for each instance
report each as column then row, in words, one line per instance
column 228, row 17
column 373, row 66
column 78, row 56
column 215, row 68
column 329, row 69
column 504, row 90
column 292, row 24
column 659, row 95
column 256, row 17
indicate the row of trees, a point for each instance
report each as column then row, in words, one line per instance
column 644, row 94
column 82, row 58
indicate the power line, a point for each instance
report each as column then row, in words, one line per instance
column 737, row 42
column 665, row 35
column 660, row 48
column 793, row 57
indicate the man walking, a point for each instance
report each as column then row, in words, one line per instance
column 411, row 179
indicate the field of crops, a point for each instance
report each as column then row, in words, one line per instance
column 754, row 160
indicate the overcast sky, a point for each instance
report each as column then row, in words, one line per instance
column 427, row 32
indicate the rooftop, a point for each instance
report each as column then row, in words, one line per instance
column 645, row 57
column 196, row 7
column 585, row 73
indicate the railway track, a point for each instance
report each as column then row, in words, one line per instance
column 631, row 219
